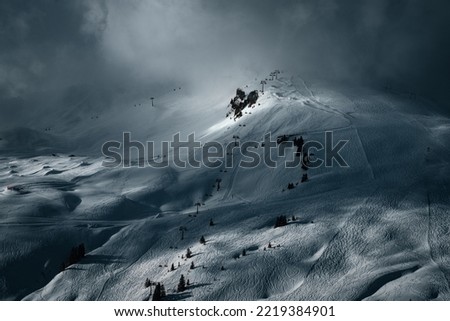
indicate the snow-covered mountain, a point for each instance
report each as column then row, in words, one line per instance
column 375, row 230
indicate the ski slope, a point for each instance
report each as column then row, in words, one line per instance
column 375, row 230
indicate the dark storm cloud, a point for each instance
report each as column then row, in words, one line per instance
column 62, row 48
column 42, row 43
column 406, row 42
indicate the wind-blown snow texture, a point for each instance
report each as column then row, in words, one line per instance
column 377, row 230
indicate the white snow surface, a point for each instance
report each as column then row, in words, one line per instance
column 375, row 230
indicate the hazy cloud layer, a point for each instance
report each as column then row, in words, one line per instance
column 51, row 46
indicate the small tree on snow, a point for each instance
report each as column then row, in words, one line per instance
column 202, row 240
column 188, row 253
column 281, row 221
column 181, row 284
column 157, row 293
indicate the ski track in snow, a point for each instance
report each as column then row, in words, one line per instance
column 327, row 107
column 231, row 181
column 438, row 220
column 432, row 256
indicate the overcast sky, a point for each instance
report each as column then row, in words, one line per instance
column 48, row 46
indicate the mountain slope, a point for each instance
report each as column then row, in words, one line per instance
column 376, row 229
